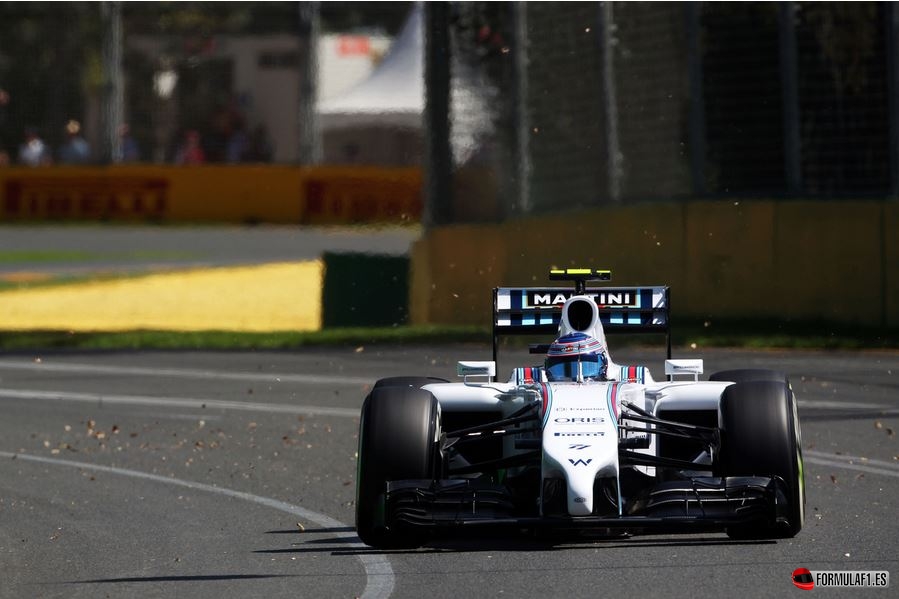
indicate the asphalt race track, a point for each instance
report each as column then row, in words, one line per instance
column 182, row 474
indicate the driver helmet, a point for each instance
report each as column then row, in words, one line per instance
column 575, row 357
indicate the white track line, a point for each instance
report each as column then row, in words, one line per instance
column 814, row 404
column 850, row 462
column 311, row 379
column 178, row 402
column 378, row 571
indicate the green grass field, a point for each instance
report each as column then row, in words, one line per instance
column 689, row 334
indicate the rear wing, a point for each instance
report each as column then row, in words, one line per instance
column 538, row 310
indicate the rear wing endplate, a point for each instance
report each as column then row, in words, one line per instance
column 538, row 310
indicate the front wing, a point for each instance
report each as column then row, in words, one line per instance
column 448, row 507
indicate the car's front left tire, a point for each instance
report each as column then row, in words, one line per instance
column 745, row 375
column 761, row 437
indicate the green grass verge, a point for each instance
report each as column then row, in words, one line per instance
column 25, row 257
column 43, row 256
column 761, row 334
column 118, row 271
column 222, row 340
column 74, row 279
column 743, row 334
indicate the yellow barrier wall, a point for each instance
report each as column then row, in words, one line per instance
column 830, row 260
column 837, row 261
column 214, row 193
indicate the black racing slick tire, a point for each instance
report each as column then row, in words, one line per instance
column 745, row 375
column 760, row 436
column 408, row 381
column 398, row 440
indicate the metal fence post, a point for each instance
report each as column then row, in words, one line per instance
column 789, row 77
column 697, row 135
column 438, row 154
column 610, row 101
column 113, row 91
column 523, row 122
column 309, row 151
column 892, row 48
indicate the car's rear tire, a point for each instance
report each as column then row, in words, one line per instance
column 398, row 440
column 745, row 375
column 761, row 437
column 408, row 381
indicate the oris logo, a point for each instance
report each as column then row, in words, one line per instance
column 594, row 420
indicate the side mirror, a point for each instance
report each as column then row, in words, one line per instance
column 467, row 369
column 675, row 368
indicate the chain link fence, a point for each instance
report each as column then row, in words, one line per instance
column 558, row 106
column 102, row 82
column 547, row 106
column 183, row 82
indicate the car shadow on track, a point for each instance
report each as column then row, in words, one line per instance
column 181, row 578
column 337, row 545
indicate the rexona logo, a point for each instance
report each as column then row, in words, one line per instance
column 605, row 298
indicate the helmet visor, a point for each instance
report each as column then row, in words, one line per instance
column 566, row 369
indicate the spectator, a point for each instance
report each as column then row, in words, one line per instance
column 4, row 102
column 129, row 151
column 190, row 151
column 33, row 151
column 225, row 122
column 75, row 150
column 238, row 144
column 261, row 148
column 4, row 107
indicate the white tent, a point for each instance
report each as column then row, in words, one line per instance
column 393, row 95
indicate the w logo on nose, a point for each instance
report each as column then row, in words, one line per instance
column 579, row 462
column 578, row 446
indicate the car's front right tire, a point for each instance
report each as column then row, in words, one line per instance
column 398, row 440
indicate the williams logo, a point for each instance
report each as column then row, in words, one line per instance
column 579, row 462
column 578, row 446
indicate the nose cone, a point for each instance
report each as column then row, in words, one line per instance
column 580, row 441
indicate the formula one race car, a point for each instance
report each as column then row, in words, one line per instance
column 579, row 445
